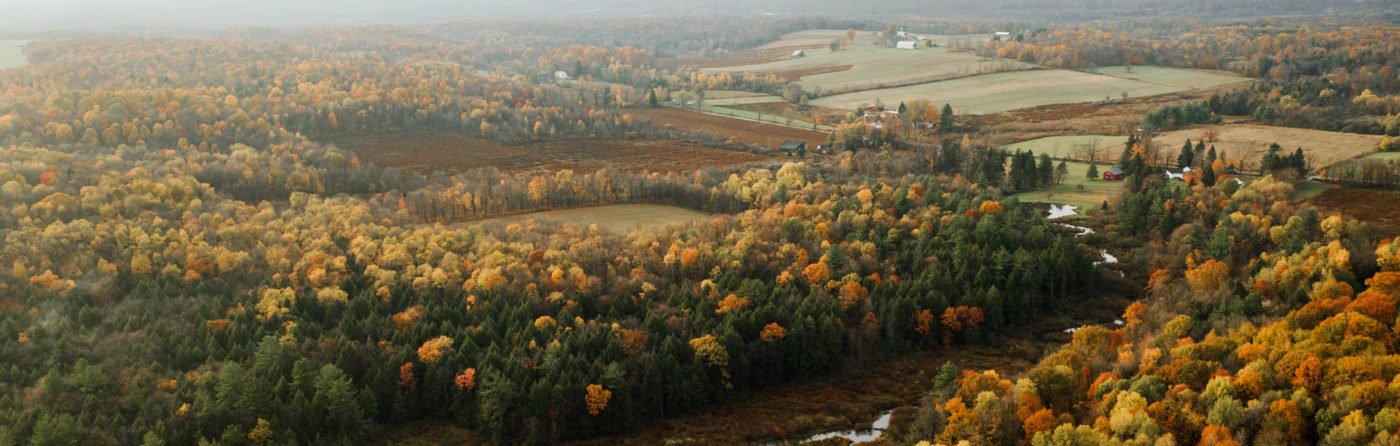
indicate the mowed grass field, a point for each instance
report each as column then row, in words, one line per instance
column 1095, row 192
column 998, row 92
column 865, row 67
column 1069, row 146
column 1251, row 141
column 12, row 54
column 620, row 218
column 427, row 151
column 1184, row 78
column 1383, row 156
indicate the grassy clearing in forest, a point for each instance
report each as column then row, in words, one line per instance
column 1094, row 193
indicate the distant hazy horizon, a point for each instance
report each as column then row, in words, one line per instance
column 20, row 16
column 32, row 15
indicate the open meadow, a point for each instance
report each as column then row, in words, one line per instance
column 991, row 93
column 12, row 54
column 619, row 218
column 428, row 151
column 1070, row 146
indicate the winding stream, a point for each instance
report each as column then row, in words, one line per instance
column 854, row 435
column 1064, row 210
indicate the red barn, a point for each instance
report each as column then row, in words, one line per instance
column 1113, row 174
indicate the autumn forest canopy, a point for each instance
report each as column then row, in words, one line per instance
column 191, row 257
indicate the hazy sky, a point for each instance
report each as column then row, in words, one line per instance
column 110, row 14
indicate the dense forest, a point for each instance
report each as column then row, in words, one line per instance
column 1263, row 323
column 186, row 264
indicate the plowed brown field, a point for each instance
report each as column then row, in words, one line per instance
column 742, row 130
column 426, row 151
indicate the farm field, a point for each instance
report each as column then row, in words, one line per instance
column 767, row 135
column 732, row 94
column 997, row 92
column 431, row 151
column 1307, row 190
column 869, row 67
column 1095, row 191
column 620, row 218
column 1383, row 156
column 1251, row 141
column 12, row 54
column 1069, row 146
column 1183, row 78
column 991, row 93
column 759, row 99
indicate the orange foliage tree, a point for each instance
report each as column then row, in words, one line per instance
column 466, row 380
column 407, row 379
column 597, row 399
column 772, row 332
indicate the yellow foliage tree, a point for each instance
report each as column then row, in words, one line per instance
column 262, row 433
column 432, row 349
column 1207, row 276
column 990, row 207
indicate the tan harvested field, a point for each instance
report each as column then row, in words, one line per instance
column 1115, row 118
column 819, row 38
column 997, row 92
column 444, row 151
column 870, row 67
column 741, row 130
column 825, row 115
column 1251, row 141
column 619, row 218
